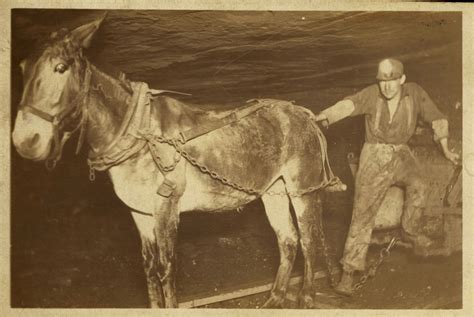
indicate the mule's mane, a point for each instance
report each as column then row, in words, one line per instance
column 115, row 75
column 118, row 88
column 56, row 44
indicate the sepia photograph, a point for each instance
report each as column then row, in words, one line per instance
column 236, row 159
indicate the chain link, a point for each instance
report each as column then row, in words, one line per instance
column 373, row 269
column 91, row 173
column 331, row 268
column 213, row 174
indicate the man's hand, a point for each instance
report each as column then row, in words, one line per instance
column 449, row 154
column 323, row 119
column 453, row 157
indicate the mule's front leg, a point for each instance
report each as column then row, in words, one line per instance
column 158, row 235
column 165, row 231
column 150, row 265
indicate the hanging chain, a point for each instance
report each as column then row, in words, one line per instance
column 152, row 139
column 330, row 266
column 385, row 252
column 91, row 173
column 333, row 270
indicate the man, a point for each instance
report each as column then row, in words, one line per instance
column 391, row 110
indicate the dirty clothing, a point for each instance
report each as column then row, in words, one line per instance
column 381, row 166
column 414, row 102
column 386, row 160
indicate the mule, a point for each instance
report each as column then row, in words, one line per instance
column 276, row 152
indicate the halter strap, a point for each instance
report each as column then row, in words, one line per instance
column 39, row 113
column 78, row 104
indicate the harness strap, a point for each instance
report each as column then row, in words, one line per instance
column 378, row 114
column 131, row 110
column 409, row 109
column 210, row 126
column 43, row 115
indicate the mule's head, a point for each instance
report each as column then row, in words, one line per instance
column 53, row 82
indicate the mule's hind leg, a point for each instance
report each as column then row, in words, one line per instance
column 277, row 209
column 308, row 210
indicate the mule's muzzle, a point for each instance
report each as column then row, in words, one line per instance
column 32, row 137
column 33, row 140
column 30, row 148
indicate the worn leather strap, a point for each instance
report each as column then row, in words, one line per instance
column 39, row 113
column 219, row 123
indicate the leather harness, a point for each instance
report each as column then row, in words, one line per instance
column 137, row 121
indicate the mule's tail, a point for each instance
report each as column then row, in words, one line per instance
column 334, row 184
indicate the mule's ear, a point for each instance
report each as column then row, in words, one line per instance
column 84, row 34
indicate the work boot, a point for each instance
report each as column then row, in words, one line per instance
column 345, row 285
column 433, row 226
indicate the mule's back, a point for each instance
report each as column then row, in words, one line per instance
column 173, row 114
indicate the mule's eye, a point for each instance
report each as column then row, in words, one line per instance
column 60, row 68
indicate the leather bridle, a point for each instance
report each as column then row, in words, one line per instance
column 77, row 108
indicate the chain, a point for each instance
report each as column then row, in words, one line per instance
column 373, row 269
column 332, row 269
column 204, row 169
column 297, row 193
column 91, row 173
column 159, row 162
column 213, row 174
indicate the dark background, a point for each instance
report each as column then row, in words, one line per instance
column 73, row 242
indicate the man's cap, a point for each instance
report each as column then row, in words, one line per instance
column 390, row 69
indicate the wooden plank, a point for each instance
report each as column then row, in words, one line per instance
column 241, row 292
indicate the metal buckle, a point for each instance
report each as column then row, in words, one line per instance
column 166, row 188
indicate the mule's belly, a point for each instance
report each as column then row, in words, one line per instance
column 198, row 201
column 206, row 194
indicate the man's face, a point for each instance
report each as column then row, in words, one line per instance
column 391, row 88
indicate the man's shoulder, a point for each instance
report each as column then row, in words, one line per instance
column 413, row 87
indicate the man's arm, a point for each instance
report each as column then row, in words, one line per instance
column 337, row 112
column 440, row 130
column 354, row 105
column 439, row 123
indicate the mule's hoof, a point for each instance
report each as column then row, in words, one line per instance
column 307, row 302
column 274, row 302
